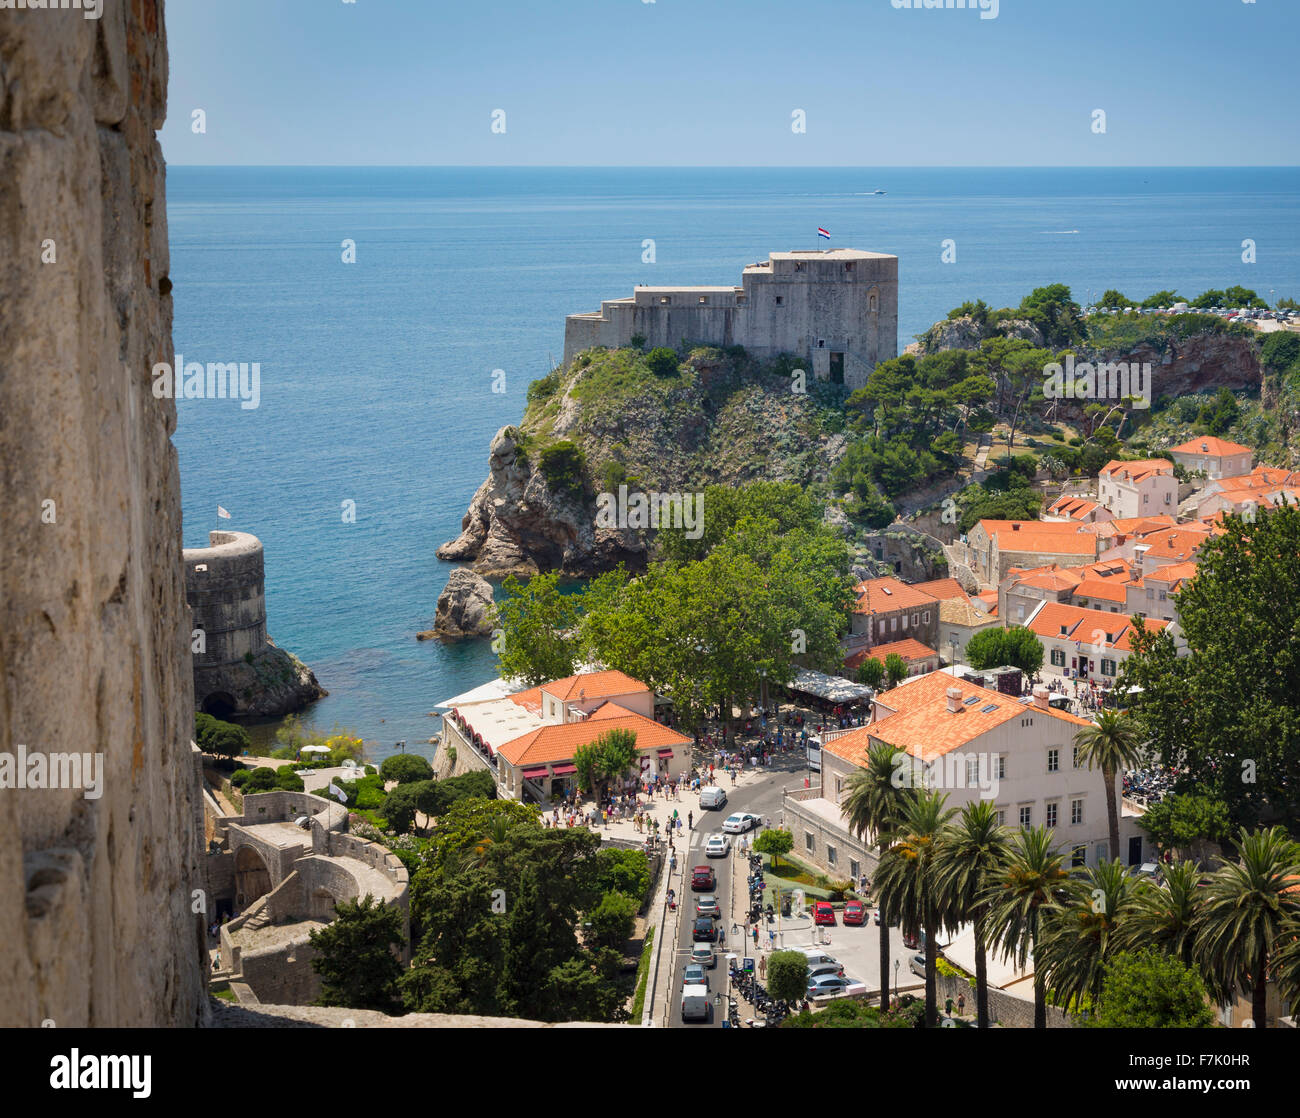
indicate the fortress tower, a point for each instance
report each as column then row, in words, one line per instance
column 237, row 669
column 837, row 309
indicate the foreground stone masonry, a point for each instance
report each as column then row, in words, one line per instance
column 96, row 925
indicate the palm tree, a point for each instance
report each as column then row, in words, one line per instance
column 907, row 881
column 969, row 851
column 1164, row 915
column 1078, row 939
column 1249, row 912
column 1030, row 880
column 871, row 807
column 1286, row 965
column 1110, row 744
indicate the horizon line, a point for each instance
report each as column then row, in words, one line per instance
column 771, row 166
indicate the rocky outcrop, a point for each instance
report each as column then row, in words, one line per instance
column 964, row 332
column 97, row 926
column 516, row 525
column 269, row 685
column 465, row 608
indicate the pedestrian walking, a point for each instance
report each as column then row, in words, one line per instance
column 961, row 1005
column 947, row 1007
column 690, row 820
column 762, row 966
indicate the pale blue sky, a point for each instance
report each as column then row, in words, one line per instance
column 714, row 82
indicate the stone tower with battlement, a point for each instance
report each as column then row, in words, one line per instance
column 837, row 309
column 237, row 669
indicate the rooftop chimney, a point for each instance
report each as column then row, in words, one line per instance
column 1040, row 698
column 954, row 699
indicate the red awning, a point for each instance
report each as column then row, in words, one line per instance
column 665, row 753
column 535, row 774
column 563, row 770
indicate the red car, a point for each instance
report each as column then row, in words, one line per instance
column 855, row 912
column 702, row 877
column 823, row 913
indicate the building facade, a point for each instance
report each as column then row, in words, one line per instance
column 1214, row 457
column 837, row 309
column 1128, row 489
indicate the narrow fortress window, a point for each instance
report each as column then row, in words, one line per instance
column 798, row 265
column 871, row 303
column 664, row 300
column 200, row 567
column 741, row 300
column 703, row 300
column 848, row 267
column 779, row 300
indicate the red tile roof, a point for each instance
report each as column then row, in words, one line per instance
column 1058, row 620
column 884, row 595
column 1137, row 471
column 1041, row 537
column 909, row 649
column 1210, row 444
column 593, row 685
column 944, row 589
column 557, row 743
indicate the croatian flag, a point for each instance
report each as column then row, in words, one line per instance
column 823, row 233
column 222, row 513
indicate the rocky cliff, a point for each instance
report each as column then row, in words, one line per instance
column 465, row 608
column 96, row 926
column 721, row 419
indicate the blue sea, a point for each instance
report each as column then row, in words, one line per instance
column 377, row 376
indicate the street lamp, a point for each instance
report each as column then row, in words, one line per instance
column 897, row 963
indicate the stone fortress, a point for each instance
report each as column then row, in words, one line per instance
column 836, row 308
column 238, row 669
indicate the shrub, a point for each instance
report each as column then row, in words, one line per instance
column 241, row 777
column 637, row 341
column 563, row 465
column 662, row 361
column 406, row 768
column 544, row 388
column 261, row 779
column 612, row 920
column 787, row 975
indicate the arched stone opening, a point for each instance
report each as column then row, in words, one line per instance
column 252, row 878
column 322, row 904
column 220, row 704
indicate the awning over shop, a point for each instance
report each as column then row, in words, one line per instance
column 832, row 688
column 564, row 770
column 539, row 773
column 665, row 753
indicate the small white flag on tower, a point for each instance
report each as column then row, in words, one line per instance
column 222, row 513
column 339, row 793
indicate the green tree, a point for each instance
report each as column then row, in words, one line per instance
column 405, row 768
column 970, row 850
column 1185, row 820
column 612, row 919
column 1113, row 300
column 1149, row 990
column 356, row 956
column 564, row 465
column 400, row 806
column 1078, row 938
column 870, row 672
column 662, row 361
column 622, row 871
column 1208, row 299
column 787, row 976
column 895, row 668
column 1017, row 646
column 872, row 806
column 1030, row 881
column 539, row 629
column 1250, row 904
column 1227, row 713
column 774, row 842
column 1111, row 744
column 222, row 739
column 617, row 753
column 907, row 880
column 1164, row 298
column 1164, row 915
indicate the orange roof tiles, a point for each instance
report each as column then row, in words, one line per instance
column 944, row 589
column 1039, row 536
column 557, row 743
column 1210, row 444
column 1076, row 508
column 1137, row 471
column 909, row 649
column 1173, row 573
column 593, row 685
column 884, row 595
column 1178, row 543
column 1057, row 620
column 1106, row 590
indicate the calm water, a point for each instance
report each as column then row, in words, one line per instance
column 376, row 377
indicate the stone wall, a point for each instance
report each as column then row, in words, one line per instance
column 96, row 928
column 1004, row 1009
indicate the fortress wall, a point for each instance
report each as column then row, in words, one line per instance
column 225, row 587
column 96, row 928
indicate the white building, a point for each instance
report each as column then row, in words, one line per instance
column 1144, row 488
column 1214, row 457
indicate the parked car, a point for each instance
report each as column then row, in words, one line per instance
column 816, row 970
column 827, row 984
column 702, row 877
column 702, row 953
column 855, row 912
column 816, row 956
column 707, row 905
column 917, row 965
column 739, row 822
column 876, row 917
column 718, row 846
column 824, row 913
column 695, row 976
column 704, row 930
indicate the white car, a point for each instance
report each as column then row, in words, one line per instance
column 738, row 822
column 718, row 846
